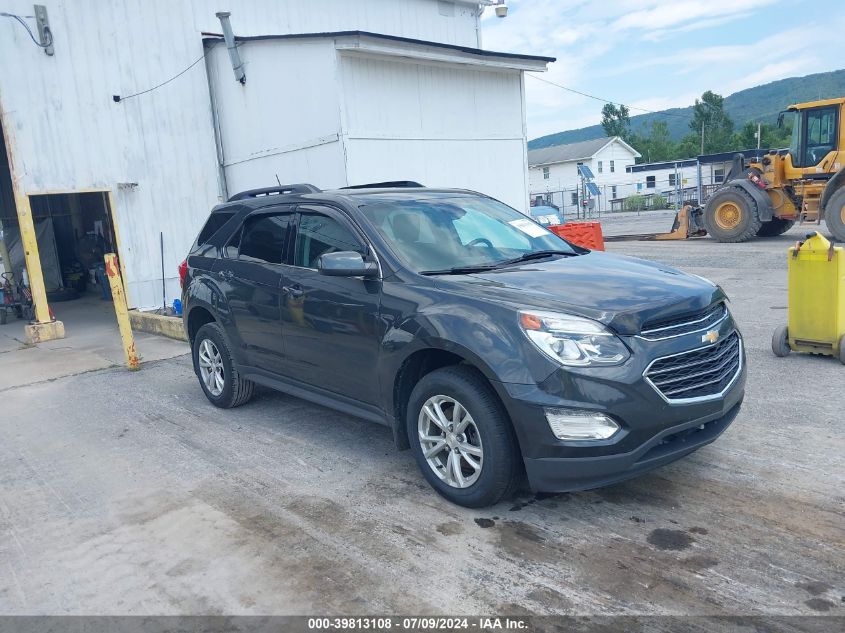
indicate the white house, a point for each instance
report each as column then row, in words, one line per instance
column 134, row 125
column 553, row 171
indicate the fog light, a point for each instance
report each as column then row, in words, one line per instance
column 572, row 424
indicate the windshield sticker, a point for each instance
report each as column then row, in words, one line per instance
column 528, row 227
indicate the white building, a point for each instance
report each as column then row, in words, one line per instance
column 553, row 171
column 672, row 180
column 336, row 93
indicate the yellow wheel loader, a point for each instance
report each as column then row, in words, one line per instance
column 803, row 183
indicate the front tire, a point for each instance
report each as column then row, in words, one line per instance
column 215, row 368
column 834, row 215
column 462, row 438
column 731, row 216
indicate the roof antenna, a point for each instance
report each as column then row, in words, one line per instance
column 278, row 181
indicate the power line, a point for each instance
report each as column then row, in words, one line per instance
column 603, row 100
column 118, row 98
column 28, row 30
column 630, row 107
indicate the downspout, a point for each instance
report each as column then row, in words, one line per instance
column 222, row 185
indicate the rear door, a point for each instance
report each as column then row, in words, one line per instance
column 250, row 274
column 330, row 323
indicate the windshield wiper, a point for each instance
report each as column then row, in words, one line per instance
column 535, row 255
column 461, row 270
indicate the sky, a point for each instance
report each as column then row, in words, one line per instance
column 657, row 54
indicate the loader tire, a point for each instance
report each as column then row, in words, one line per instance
column 731, row 216
column 776, row 227
column 834, row 215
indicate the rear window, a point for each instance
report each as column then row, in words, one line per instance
column 215, row 223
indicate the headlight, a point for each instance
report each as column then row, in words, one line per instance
column 571, row 340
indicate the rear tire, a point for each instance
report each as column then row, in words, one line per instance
column 780, row 342
column 215, row 369
column 834, row 215
column 842, row 350
column 775, row 227
column 731, row 216
column 489, row 435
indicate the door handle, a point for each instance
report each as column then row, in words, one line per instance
column 294, row 291
column 225, row 274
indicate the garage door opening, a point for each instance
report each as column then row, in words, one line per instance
column 74, row 231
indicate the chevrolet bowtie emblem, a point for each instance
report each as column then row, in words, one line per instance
column 711, row 337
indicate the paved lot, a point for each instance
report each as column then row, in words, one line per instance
column 129, row 493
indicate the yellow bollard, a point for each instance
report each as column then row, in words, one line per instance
column 121, row 310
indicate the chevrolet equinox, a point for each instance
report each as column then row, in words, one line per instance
column 491, row 347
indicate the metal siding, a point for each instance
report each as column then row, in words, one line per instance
column 419, row 19
column 67, row 134
column 285, row 120
column 443, row 125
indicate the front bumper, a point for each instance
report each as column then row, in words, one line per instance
column 654, row 432
column 564, row 474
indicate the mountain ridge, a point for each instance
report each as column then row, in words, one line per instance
column 759, row 104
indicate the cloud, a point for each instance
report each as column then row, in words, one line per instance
column 655, row 54
column 675, row 13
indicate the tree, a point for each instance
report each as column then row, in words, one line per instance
column 709, row 114
column 615, row 120
column 657, row 146
column 772, row 137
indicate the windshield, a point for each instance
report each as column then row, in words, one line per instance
column 457, row 232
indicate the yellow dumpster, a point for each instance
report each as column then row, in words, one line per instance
column 816, row 306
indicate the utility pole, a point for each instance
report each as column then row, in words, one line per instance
column 759, row 134
column 702, row 137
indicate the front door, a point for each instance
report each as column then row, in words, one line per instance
column 250, row 273
column 330, row 324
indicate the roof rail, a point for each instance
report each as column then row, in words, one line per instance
column 391, row 184
column 274, row 191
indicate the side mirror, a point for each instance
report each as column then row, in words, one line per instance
column 346, row 264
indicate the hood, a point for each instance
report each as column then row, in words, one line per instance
column 621, row 292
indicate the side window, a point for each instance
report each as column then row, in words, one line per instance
column 821, row 134
column 319, row 234
column 214, row 223
column 263, row 239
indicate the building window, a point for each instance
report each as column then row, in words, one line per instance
column 545, row 173
column 639, row 186
column 719, row 175
column 574, row 198
column 672, row 180
column 613, row 192
column 650, row 182
column 612, row 166
column 601, row 167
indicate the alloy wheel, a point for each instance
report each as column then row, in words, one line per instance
column 211, row 368
column 450, row 441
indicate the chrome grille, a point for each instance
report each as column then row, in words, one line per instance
column 668, row 328
column 700, row 373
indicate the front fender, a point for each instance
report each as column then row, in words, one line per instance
column 764, row 203
column 485, row 334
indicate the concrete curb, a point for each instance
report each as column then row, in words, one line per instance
column 170, row 327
